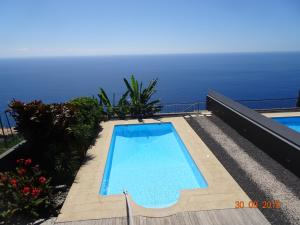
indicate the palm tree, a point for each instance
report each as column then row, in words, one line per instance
column 140, row 104
column 105, row 103
column 122, row 108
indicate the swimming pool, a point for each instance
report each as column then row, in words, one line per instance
column 291, row 122
column 151, row 162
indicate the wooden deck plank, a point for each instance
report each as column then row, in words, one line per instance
column 257, row 216
column 186, row 218
column 167, row 221
column 179, row 219
column 174, row 220
column 142, row 220
column 118, row 221
column 244, row 216
column 203, row 218
column 106, row 221
column 226, row 217
column 152, row 221
column 194, row 218
column 123, row 221
column 136, row 220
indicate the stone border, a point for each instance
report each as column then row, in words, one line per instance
column 84, row 202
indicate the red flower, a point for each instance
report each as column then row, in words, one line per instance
column 35, row 192
column 18, row 161
column 28, row 162
column 42, row 180
column 21, row 171
column 13, row 182
column 26, row 190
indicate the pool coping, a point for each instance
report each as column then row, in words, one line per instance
column 84, row 202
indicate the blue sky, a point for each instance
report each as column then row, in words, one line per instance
column 95, row 27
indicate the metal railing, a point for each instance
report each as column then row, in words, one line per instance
column 257, row 104
column 183, row 107
column 6, row 122
column 8, row 136
column 164, row 108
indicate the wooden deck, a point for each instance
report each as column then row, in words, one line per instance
column 246, row 216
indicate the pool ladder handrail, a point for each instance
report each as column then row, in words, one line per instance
column 128, row 208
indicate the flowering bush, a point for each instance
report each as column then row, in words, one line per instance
column 58, row 134
column 23, row 191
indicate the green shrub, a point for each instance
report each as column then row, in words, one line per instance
column 58, row 133
column 23, row 191
column 88, row 115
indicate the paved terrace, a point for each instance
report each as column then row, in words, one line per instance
column 203, row 215
column 259, row 175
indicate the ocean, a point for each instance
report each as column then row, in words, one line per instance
column 183, row 78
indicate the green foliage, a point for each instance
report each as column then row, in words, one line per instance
column 23, row 191
column 88, row 115
column 105, row 103
column 140, row 104
column 58, row 133
column 122, row 108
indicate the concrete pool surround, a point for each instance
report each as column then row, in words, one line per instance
column 84, row 202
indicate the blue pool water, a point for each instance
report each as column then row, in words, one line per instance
column 151, row 162
column 291, row 122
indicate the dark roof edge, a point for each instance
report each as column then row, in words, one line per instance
column 282, row 131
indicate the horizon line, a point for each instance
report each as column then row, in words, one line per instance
column 146, row 54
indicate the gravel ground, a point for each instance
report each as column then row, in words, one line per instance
column 259, row 175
